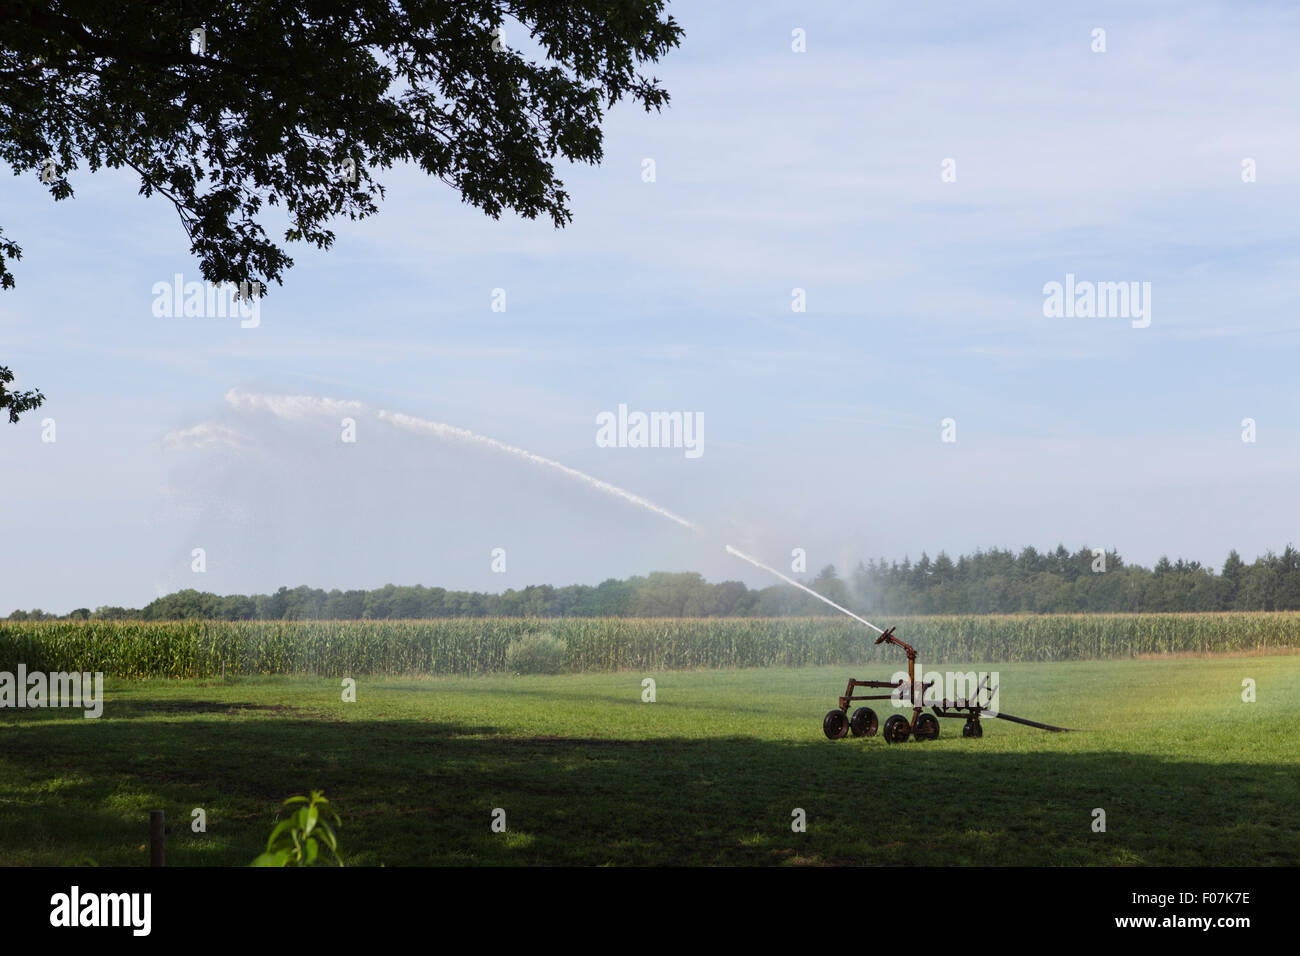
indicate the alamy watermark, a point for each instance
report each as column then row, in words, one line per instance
column 208, row 300
column 1098, row 300
column 75, row 908
column 957, row 688
column 626, row 429
column 55, row 689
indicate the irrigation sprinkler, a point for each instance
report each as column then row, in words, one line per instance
column 897, row 728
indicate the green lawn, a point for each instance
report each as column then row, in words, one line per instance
column 587, row 773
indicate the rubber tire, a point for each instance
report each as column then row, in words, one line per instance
column 896, row 729
column 835, row 725
column 863, row 723
column 926, row 728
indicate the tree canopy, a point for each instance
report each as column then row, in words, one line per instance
column 225, row 107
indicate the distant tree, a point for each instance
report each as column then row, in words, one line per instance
column 1029, row 562
column 1288, row 585
column 407, row 602
column 1258, row 590
column 921, row 572
column 828, row 584
column 237, row 607
column 346, row 605
column 378, row 603
column 732, row 598
column 103, row 613
column 1233, row 570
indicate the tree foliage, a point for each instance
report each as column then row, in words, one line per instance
column 225, row 107
column 986, row 582
column 16, row 402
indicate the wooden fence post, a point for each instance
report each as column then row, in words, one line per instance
column 157, row 838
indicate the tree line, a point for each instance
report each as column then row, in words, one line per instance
column 986, row 582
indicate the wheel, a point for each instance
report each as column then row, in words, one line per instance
column 972, row 728
column 896, row 729
column 835, row 725
column 863, row 722
column 927, row 727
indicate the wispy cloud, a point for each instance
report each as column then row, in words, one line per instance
column 205, row 436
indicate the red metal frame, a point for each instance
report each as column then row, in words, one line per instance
column 968, row 709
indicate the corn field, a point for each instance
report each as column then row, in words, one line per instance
column 204, row 649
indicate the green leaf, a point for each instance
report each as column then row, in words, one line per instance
column 326, row 836
column 280, row 828
column 279, row 858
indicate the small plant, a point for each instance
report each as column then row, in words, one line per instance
column 297, row 839
column 536, row 654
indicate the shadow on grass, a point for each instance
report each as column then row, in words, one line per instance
column 130, row 708
column 421, row 792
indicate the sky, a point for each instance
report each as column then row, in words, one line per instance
column 826, row 171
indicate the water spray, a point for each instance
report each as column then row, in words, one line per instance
column 802, row 587
column 444, row 431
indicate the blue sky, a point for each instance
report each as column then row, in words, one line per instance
column 774, row 170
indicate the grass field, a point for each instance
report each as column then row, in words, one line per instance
column 587, row 773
